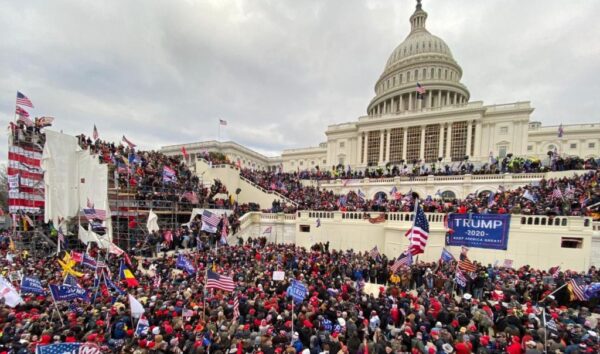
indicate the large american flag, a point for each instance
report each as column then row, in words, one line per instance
column 405, row 259
column 210, row 218
column 419, row 232
column 466, row 265
column 420, row 89
column 219, row 281
column 23, row 100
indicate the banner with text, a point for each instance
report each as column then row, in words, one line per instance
column 478, row 230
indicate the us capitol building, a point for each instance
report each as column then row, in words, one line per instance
column 421, row 112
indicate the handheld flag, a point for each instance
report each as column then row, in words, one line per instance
column 137, row 310
column 209, row 221
column 446, row 256
column 125, row 140
column 219, row 281
column 185, row 264
column 125, row 273
column 418, row 234
column 33, row 285
column 95, row 134
column 64, row 292
column 142, row 326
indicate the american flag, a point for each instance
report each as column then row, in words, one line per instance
column 419, row 232
column 374, row 253
column 92, row 213
column 222, row 122
column 21, row 112
column 192, row 197
column 219, row 281
column 554, row 271
column 420, row 89
column 187, row 313
column 268, row 230
column 466, row 265
column 577, row 290
column 23, row 100
column 95, row 135
column 236, row 307
column 569, row 191
column 61, row 235
column 405, row 259
column 210, row 218
column 556, row 193
column 157, row 281
column 131, row 145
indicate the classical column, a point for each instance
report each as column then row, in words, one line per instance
column 448, row 98
column 366, row 148
column 439, row 98
column 380, row 159
column 449, row 143
column 410, row 102
column 422, row 149
column 387, row 147
column 429, row 99
column 385, row 107
column 441, row 142
column 401, row 104
column 405, row 138
column 392, row 107
column 477, row 153
column 469, row 137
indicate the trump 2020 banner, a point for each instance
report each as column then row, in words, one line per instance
column 478, row 230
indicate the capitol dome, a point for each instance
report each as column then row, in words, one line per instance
column 422, row 62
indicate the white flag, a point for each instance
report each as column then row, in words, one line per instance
column 9, row 293
column 136, row 307
column 152, row 223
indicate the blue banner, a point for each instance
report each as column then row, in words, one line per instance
column 297, row 291
column 67, row 292
column 185, row 264
column 478, row 230
column 32, row 285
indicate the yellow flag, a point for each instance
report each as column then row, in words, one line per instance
column 67, row 265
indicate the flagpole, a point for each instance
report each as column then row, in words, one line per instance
column 555, row 290
column 545, row 330
column 56, row 307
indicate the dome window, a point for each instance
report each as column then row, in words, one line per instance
column 431, row 75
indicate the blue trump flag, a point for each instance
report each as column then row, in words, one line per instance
column 479, row 230
column 185, row 264
column 297, row 291
column 32, row 285
column 446, row 256
column 64, row 292
column 58, row 348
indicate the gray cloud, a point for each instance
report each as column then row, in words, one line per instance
column 164, row 72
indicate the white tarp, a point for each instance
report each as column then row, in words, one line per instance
column 71, row 177
column 59, row 162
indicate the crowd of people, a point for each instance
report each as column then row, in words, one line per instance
column 148, row 174
column 561, row 196
column 418, row 309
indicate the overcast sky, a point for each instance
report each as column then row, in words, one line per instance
column 280, row 71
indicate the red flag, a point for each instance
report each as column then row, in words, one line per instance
column 184, row 152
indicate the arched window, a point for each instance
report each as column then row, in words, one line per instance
column 424, row 74
column 431, row 74
column 439, row 74
column 416, row 75
column 380, row 196
column 448, row 195
column 401, row 78
column 408, row 76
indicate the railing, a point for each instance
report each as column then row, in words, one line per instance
column 268, row 191
column 500, row 178
column 596, row 226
